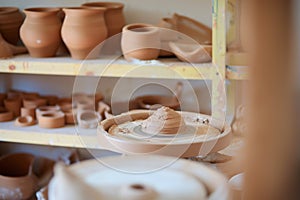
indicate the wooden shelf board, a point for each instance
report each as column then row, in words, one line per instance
column 168, row 68
column 68, row 136
column 236, row 59
column 237, row 73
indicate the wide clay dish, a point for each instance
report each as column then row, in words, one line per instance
column 137, row 178
column 123, row 134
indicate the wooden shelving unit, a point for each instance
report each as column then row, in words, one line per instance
column 111, row 67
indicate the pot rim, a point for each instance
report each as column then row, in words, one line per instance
column 42, row 10
column 7, row 10
column 149, row 28
column 107, row 5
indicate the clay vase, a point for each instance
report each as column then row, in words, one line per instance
column 13, row 105
column 17, row 181
column 40, row 31
column 114, row 18
column 10, row 22
column 83, row 29
column 140, row 41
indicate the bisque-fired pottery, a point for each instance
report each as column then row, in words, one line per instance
column 34, row 102
column 51, row 99
column 70, row 115
column 88, row 118
column 8, row 50
column 140, row 41
column 13, row 105
column 2, row 97
column 51, row 120
column 5, row 115
column 10, row 22
column 194, row 53
column 24, row 121
column 45, row 109
column 113, row 15
column 40, row 31
column 83, row 29
column 17, row 180
column 29, row 111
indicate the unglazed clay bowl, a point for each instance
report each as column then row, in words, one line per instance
column 24, row 121
column 52, row 120
column 140, row 41
column 156, row 101
column 34, row 102
column 45, row 109
column 193, row 53
column 5, row 115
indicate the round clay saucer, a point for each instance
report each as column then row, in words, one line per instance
column 140, row 177
column 124, row 134
column 25, row 121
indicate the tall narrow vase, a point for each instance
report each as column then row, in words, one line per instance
column 40, row 31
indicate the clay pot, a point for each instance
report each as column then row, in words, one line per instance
column 83, row 29
column 5, row 115
column 88, row 119
column 52, row 120
column 13, row 105
column 8, row 50
column 34, row 102
column 51, row 100
column 31, row 95
column 10, row 22
column 29, row 111
column 17, row 181
column 114, row 18
column 40, row 31
column 46, row 109
column 140, row 41
column 2, row 97
column 70, row 115
column 193, row 53
column 24, row 121
column 85, row 104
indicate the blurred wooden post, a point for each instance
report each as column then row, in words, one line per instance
column 271, row 159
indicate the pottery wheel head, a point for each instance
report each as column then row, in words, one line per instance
column 164, row 120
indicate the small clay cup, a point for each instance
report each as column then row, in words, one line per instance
column 88, row 118
column 51, row 99
column 29, row 111
column 13, row 105
column 24, row 121
column 85, row 104
column 45, row 109
column 34, row 102
column 5, row 115
column 70, row 115
column 51, row 120
column 140, row 41
column 16, row 176
column 10, row 22
column 40, row 31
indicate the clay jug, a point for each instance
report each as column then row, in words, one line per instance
column 17, row 181
column 113, row 15
column 10, row 22
column 40, row 31
column 140, row 41
column 83, row 29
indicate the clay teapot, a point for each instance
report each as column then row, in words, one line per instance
column 10, row 22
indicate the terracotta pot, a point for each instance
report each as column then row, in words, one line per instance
column 13, row 105
column 140, row 41
column 5, row 115
column 40, row 31
column 85, row 104
column 45, row 109
column 2, row 97
column 51, row 99
column 52, row 120
column 34, row 102
column 32, row 95
column 114, row 18
column 70, row 115
column 24, row 121
column 83, row 29
column 88, row 118
column 16, row 178
column 10, row 22
column 29, row 111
